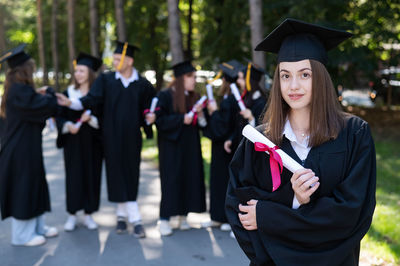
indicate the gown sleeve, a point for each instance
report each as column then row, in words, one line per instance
column 95, row 96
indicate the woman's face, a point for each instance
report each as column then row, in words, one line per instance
column 296, row 83
column 189, row 81
column 81, row 74
column 240, row 81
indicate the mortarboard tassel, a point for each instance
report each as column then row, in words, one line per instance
column 248, row 72
column 123, row 56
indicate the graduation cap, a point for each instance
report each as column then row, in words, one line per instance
column 125, row 49
column 231, row 69
column 294, row 40
column 88, row 60
column 253, row 72
column 16, row 56
column 183, row 68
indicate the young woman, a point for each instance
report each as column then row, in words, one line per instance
column 220, row 125
column 181, row 163
column 318, row 215
column 24, row 194
column 82, row 146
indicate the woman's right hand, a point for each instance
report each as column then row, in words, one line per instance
column 211, row 107
column 187, row 120
column 63, row 100
column 72, row 129
column 304, row 184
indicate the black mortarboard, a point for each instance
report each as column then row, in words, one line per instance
column 183, row 68
column 125, row 48
column 294, row 40
column 89, row 61
column 15, row 56
column 231, row 69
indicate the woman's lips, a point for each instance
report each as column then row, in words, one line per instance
column 295, row 97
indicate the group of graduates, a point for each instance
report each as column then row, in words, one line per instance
column 314, row 215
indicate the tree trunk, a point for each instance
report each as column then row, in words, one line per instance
column 120, row 18
column 71, row 34
column 3, row 47
column 175, row 32
column 54, row 42
column 94, row 28
column 42, row 58
column 189, row 34
column 255, row 8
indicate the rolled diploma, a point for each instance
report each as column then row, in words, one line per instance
column 236, row 93
column 153, row 104
column 255, row 136
column 210, row 94
column 79, row 123
column 201, row 101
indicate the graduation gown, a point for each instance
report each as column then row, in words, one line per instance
column 219, row 127
column 23, row 187
column 83, row 155
column 122, row 118
column 326, row 231
column 180, row 161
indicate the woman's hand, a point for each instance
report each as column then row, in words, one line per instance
column 150, row 118
column 249, row 218
column 304, row 184
column 85, row 117
column 246, row 113
column 227, row 146
column 63, row 100
column 211, row 107
column 42, row 90
column 187, row 120
column 72, row 129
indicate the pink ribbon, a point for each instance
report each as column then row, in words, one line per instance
column 146, row 111
column 275, row 162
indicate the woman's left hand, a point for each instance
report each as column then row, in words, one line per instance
column 249, row 219
column 85, row 117
column 246, row 113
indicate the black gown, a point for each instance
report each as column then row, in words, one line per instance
column 24, row 192
column 326, row 231
column 181, row 163
column 219, row 127
column 122, row 118
column 83, row 155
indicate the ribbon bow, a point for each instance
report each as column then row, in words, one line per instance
column 275, row 162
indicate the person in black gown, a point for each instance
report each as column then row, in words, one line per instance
column 318, row 215
column 80, row 137
column 24, row 194
column 180, row 159
column 220, row 125
column 123, row 95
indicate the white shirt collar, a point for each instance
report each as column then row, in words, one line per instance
column 73, row 93
column 126, row 82
column 289, row 133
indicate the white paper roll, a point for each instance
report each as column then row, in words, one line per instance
column 236, row 94
column 79, row 123
column 200, row 101
column 153, row 104
column 210, row 93
column 255, row 136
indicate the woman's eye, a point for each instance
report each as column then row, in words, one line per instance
column 305, row 75
column 285, row 76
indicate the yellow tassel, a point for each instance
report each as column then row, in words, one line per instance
column 215, row 78
column 74, row 63
column 123, row 56
column 228, row 65
column 248, row 86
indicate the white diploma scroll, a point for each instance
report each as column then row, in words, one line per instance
column 238, row 98
column 79, row 123
column 201, row 101
column 210, row 93
column 255, row 136
column 153, row 104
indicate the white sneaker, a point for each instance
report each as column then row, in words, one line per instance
column 50, row 231
column 70, row 223
column 90, row 223
column 36, row 241
column 210, row 223
column 225, row 227
column 232, row 235
column 183, row 224
column 164, row 227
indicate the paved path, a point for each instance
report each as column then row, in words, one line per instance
column 104, row 246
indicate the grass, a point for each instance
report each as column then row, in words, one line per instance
column 382, row 243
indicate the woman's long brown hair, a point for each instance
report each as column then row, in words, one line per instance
column 326, row 116
column 91, row 78
column 179, row 98
column 20, row 74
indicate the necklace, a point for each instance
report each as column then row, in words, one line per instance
column 302, row 132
